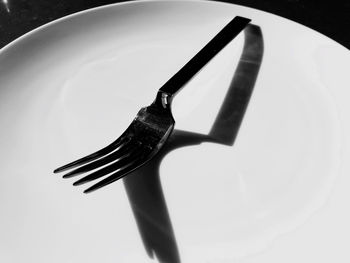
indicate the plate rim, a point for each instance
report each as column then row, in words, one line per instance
column 136, row 2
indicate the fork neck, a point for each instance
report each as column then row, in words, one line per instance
column 163, row 100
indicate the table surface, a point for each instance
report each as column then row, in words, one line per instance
column 20, row 16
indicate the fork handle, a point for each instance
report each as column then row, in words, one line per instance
column 213, row 47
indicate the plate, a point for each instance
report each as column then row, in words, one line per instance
column 272, row 188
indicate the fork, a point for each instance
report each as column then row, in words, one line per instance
column 152, row 125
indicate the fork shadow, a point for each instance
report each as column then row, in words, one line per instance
column 143, row 186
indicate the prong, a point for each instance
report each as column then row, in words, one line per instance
column 118, row 153
column 118, row 164
column 96, row 155
column 118, row 174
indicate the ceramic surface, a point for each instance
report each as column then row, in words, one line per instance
column 278, row 194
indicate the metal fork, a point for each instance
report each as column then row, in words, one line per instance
column 152, row 125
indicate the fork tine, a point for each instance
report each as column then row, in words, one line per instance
column 114, row 145
column 118, row 164
column 120, row 152
column 118, row 174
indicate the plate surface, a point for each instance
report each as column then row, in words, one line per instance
column 279, row 194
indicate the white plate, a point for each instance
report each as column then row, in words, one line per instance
column 72, row 86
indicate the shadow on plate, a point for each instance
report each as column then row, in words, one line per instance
column 143, row 186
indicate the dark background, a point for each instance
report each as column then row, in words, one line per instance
column 331, row 19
